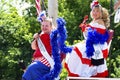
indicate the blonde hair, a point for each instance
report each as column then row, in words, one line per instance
column 49, row 20
column 105, row 17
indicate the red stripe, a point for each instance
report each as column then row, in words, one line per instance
column 38, row 7
column 88, row 61
column 105, row 53
column 70, row 73
column 102, row 74
column 44, row 61
column 101, row 31
column 84, row 60
column 110, row 32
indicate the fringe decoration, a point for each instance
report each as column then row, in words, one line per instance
column 62, row 36
column 94, row 37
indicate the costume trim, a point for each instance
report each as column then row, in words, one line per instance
column 102, row 74
column 62, row 36
column 55, row 49
column 105, row 53
column 94, row 37
column 69, row 72
column 83, row 60
column 61, row 30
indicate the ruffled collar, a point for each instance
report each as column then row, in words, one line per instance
column 98, row 27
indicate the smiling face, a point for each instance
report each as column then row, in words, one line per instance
column 46, row 26
column 96, row 13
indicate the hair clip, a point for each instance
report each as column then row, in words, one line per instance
column 41, row 16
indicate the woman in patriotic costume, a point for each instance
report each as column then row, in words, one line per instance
column 46, row 63
column 88, row 58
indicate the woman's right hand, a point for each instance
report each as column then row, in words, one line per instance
column 36, row 35
column 34, row 42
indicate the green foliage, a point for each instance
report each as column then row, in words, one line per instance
column 114, row 55
column 73, row 11
column 114, row 64
column 63, row 74
column 15, row 40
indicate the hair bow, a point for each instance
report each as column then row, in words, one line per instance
column 94, row 3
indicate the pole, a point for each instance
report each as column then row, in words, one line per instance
column 110, row 27
column 53, row 10
column 111, row 6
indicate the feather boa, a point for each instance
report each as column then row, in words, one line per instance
column 61, row 30
column 56, row 56
column 62, row 36
column 94, row 37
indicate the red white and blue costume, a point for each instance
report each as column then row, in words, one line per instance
column 41, row 69
column 88, row 58
column 40, row 66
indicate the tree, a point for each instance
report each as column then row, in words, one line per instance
column 15, row 41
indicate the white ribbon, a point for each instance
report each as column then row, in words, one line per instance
column 45, row 53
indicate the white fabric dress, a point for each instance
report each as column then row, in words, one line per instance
column 78, row 64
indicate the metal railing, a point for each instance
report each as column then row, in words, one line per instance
column 87, row 78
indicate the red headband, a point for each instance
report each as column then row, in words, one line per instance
column 94, row 3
